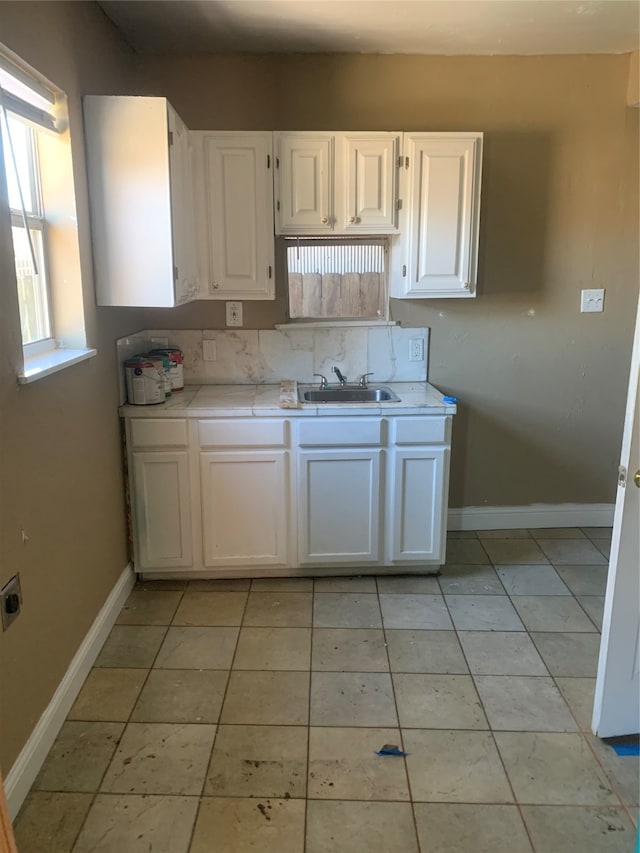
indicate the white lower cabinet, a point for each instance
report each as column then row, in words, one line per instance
column 162, row 509
column 244, row 508
column 417, row 517
column 339, row 506
column 229, row 496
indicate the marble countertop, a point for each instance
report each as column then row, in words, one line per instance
column 223, row 401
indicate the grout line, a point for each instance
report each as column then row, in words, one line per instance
column 308, row 768
column 126, row 723
column 400, row 728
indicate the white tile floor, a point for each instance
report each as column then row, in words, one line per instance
column 237, row 716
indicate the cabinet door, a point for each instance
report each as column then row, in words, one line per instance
column 418, row 502
column 239, row 215
column 182, row 210
column 244, row 508
column 162, row 509
column 443, row 215
column 366, row 183
column 339, row 506
column 304, row 183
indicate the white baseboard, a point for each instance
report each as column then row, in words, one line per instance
column 533, row 515
column 27, row 766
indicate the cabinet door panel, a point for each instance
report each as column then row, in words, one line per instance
column 339, row 506
column 370, row 183
column 304, row 184
column 417, row 501
column 443, row 216
column 244, row 508
column 162, row 501
column 239, row 212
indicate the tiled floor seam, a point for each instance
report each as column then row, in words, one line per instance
column 128, row 720
column 629, row 811
column 213, row 743
column 484, row 711
column 308, row 768
column 400, row 735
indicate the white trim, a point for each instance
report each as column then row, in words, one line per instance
column 28, row 764
column 51, row 361
column 531, row 516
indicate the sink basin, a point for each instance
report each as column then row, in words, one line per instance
column 348, row 394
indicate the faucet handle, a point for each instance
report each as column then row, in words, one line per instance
column 363, row 380
column 323, row 380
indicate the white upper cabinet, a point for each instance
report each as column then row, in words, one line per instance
column 366, row 182
column 337, row 183
column 234, row 189
column 138, row 163
column 304, row 203
column 439, row 254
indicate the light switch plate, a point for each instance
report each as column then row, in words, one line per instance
column 592, row 301
column 234, row 313
column 209, row 350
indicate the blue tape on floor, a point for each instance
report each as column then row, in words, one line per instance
column 626, row 748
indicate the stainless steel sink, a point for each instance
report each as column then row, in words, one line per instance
column 348, row 394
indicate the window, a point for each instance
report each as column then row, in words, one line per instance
column 337, row 278
column 36, row 152
column 27, row 228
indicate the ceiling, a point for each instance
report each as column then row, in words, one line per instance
column 450, row 27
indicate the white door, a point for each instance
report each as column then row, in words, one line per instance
column 417, row 522
column 244, row 508
column 162, row 514
column 239, row 215
column 366, row 183
column 617, row 699
column 339, row 506
column 443, row 214
column 304, row 177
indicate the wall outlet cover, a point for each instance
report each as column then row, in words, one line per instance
column 416, row 349
column 234, row 313
column 10, row 601
column 209, row 350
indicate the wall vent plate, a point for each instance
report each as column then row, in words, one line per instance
column 10, row 601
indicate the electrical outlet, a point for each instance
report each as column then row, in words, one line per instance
column 209, row 350
column 591, row 301
column 416, row 349
column 234, row 313
column 10, row 601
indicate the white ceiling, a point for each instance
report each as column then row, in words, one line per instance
column 454, row 27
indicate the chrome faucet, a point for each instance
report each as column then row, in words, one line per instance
column 342, row 379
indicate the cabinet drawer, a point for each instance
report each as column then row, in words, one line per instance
column 341, row 431
column 268, row 432
column 429, row 430
column 152, row 432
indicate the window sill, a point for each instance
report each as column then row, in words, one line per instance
column 45, row 363
column 332, row 324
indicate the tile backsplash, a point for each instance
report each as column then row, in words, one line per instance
column 267, row 356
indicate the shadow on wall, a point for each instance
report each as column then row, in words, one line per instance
column 514, row 212
column 526, row 449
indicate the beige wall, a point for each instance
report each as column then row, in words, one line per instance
column 541, row 387
column 60, row 460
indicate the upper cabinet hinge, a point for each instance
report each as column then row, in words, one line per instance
column 277, row 205
column 277, row 162
column 175, row 273
column 270, row 271
column 622, row 476
column 399, row 204
column 406, row 162
column 268, row 161
column 404, row 270
column 400, row 162
column 170, row 137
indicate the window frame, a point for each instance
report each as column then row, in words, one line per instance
column 33, row 219
column 289, row 242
